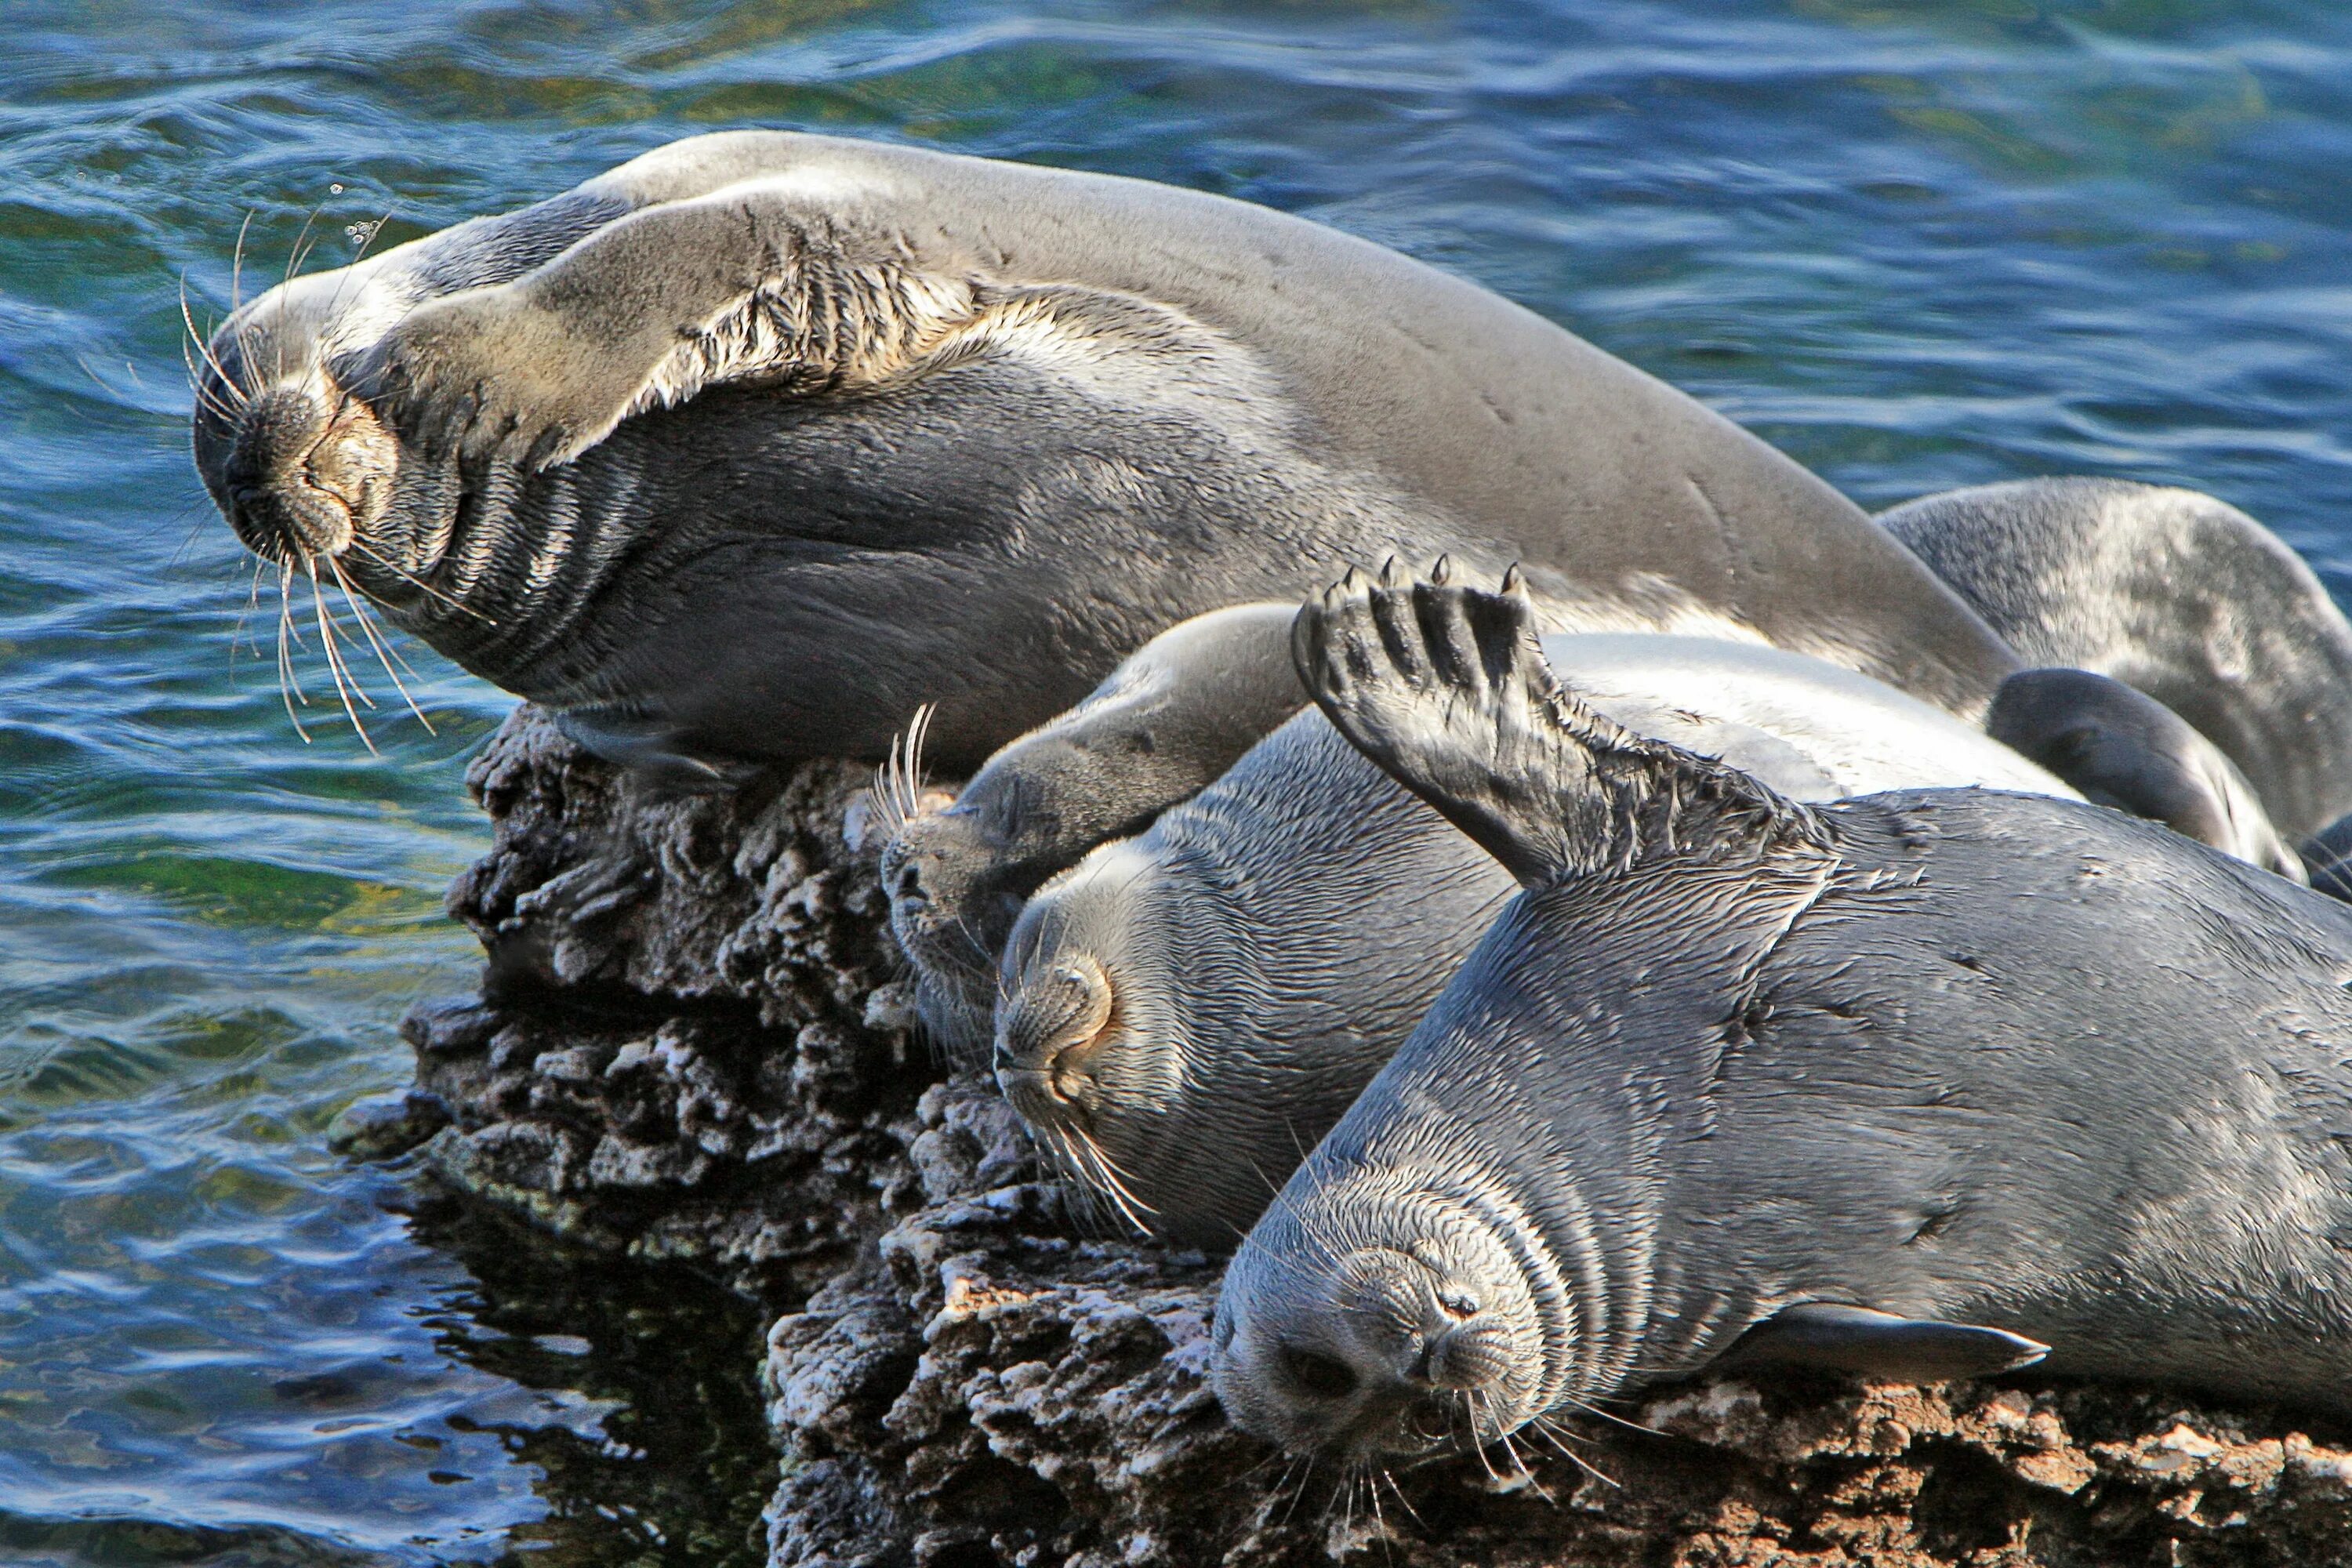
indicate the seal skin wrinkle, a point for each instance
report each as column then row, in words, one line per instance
column 1922, row 1083
column 749, row 448
column 1250, row 960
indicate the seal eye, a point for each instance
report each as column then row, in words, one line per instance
column 1325, row 1377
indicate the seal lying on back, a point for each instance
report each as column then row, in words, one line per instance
column 1183, row 1015
column 1189, row 703
column 1919, row 1084
column 750, row 446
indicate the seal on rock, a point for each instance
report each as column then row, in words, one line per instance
column 2179, row 595
column 750, row 446
column 1921, row 1083
column 1183, row 1014
column 1191, row 702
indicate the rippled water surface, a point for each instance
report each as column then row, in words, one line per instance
column 1918, row 243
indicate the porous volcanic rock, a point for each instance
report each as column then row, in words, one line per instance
column 693, row 1043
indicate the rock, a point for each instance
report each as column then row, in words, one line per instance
column 693, row 1043
column 383, row 1126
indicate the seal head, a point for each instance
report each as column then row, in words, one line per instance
column 1376, row 1319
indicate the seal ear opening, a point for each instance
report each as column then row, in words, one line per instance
column 1856, row 1340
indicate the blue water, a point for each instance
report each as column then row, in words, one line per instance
column 1917, row 243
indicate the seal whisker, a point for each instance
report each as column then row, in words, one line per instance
column 1591, row 1409
column 1560, row 1441
column 420, row 585
column 383, row 653
column 187, row 317
column 237, row 291
column 1402, row 1501
column 1303, row 1468
column 1477, row 1448
column 289, row 685
column 344, row 683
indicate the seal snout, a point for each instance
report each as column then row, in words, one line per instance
column 1048, row 1029
column 306, row 469
column 1377, row 1350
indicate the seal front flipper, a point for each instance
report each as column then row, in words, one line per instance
column 1161, row 728
column 2124, row 749
column 1447, row 689
column 1840, row 1338
column 757, row 282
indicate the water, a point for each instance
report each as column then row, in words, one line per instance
column 1917, row 243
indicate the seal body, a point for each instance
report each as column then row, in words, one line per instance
column 750, row 446
column 1184, row 1013
column 2176, row 594
column 1932, row 1081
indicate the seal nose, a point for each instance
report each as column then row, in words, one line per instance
column 305, row 469
column 1418, row 1329
column 1048, row 1029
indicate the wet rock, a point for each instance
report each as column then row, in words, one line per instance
column 695, row 1043
column 383, row 1126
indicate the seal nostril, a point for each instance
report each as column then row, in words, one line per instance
column 1457, row 1304
column 1324, row 1376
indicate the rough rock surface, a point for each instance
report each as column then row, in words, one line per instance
column 691, row 1046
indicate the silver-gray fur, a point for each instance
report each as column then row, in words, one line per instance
column 1188, row 703
column 1184, row 1014
column 749, row 448
column 2179, row 595
column 1859, row 1083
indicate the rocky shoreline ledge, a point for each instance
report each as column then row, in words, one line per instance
column 693, row 1043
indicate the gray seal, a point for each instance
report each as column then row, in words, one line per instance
column 1183, row 1014
column 749, row 448
column 2178, row 595
column 1189, row 704
column 1926, row 1083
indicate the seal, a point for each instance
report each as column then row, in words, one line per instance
column 2176, row 593
column 1189, row 704
column 750, row 446
column 1183, row 1014
column 1894, row 1085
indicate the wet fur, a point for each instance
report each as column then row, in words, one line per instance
column 1971, row 1055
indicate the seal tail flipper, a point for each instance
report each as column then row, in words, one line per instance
column 2124, row 749
column 1445, row 686
column 1879, row 1344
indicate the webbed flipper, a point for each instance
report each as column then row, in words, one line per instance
column 760, row 281
column 1838, row 1338
column 2124, row 749
column 1447, row 688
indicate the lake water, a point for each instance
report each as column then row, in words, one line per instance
column 1917, row 243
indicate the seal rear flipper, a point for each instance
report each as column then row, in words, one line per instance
column 1447, row 689
column 1839, row 1338
column 2124, row 749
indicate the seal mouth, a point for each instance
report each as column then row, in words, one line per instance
column 307, row 470
column 1405, row 1346
column 1051, row 1030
